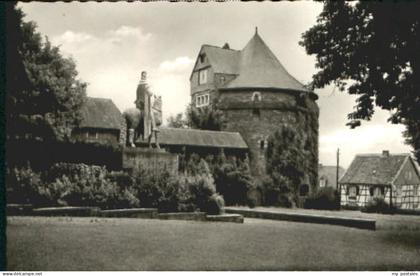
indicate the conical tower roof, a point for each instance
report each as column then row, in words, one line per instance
column 259, row 68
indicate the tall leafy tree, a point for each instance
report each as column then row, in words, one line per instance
column 286, row 165
column 371, row 49
column 44, row 95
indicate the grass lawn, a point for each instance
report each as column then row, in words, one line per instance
column 40, row 243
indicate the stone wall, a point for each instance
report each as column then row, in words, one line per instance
column 136, row 159
column 257, row 120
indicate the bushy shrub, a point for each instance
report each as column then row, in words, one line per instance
column 66, row 184
column 152, row 187
column 201, row 188
column 22, row 185
column 286, row 165
column 377, row 205
column 326, row 198
column 276, row 191
column 80, row 185
column 215, row 205
column 172, row 196
column 233, row 180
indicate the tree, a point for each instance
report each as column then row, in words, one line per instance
column 207, row 117
column 177, row 121
column 371, row 49
column 286, row 165
column 43, row 99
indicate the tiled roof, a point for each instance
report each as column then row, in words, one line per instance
column 100, row 113
column 256, row 67
column 223, row 61
column 201, row 138
column 260, row 68
column 374, row 169
column 330, row 172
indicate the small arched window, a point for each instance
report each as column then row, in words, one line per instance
column 256, row 96
column 262, row 144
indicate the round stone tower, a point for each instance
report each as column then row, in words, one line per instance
column 258, row 96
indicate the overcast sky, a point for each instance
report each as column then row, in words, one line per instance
column 113, row 42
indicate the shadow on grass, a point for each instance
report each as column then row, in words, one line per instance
column 406, row 238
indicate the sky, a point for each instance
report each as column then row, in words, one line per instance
column 112, row 43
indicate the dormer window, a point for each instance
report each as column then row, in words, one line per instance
column 256, row 96
column 202, row 100
column 202, row 76
column 202, row 58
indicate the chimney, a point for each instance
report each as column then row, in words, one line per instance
column 385, row 153
column 226, row 46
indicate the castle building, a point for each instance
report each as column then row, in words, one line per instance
column 257, row 96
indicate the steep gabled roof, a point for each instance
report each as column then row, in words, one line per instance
column 201, row 138
column 374, row 169
column 260, row 68
column 100, row 113
column 330, row 171
column 223, row 61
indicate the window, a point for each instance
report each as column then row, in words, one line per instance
column 376, row 191
column 262, row 144
column 408, row 175
column 202, row 100
column 202, row 58
column 222, row 79
column 256, row 96
column 353, row 192
column 323, row 182
column 202, row 76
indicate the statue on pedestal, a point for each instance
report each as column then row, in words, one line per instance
column 144, row 120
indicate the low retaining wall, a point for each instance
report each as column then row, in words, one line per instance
column 130, row 213
column 236, row 218
column 18, row 209
column 349, row 222
column 147, row 213
column 199, row 216
column 67, row 211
